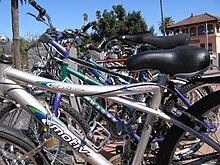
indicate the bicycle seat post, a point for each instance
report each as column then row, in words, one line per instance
column 149, row 122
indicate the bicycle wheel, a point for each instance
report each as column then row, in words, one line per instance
column 23, row 121
column 15, row 148
column 191, row 91
column 196, row 91
column 181, row 150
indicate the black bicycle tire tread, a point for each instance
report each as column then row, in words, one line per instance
column 74, row 113
column 19, row 139
column 198, row 109
column 189, row 86
column 184, row 89
column 63, row 105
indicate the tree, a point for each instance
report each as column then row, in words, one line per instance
column 85, row 17
column 167, row 22
column 117, row 21
column 15, row 31
column 162, row 18
column 98, row 14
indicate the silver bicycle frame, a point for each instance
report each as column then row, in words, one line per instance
column 9, row 75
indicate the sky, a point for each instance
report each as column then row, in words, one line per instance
column 69, row 13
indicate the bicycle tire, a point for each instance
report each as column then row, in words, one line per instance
column 192, row 91
column 203, row 89
column 168, row 147
column 67, row 114
column 11, row 141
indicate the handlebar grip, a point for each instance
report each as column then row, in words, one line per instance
column 92, row 47
column 85, row 28
column 41, row 10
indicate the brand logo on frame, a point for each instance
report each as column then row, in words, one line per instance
column 53, row 125
column 59, row 86
column 73, row 141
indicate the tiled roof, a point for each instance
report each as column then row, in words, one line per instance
column 196, row 19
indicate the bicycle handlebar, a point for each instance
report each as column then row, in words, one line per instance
column 41, row 10
column 92, row 47
column 42, row 13
column 85, row 28
column 68, row 33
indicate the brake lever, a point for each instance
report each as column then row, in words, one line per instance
column 39, row 18
column 32, row 15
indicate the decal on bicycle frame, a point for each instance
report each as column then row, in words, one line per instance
column 72, row 141
column 56, row 127
column 56, row 85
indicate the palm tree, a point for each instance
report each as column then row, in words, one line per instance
column 15, row 31
column 98, row 15
column 162, row 18
column 167, row 21
column 85, row 17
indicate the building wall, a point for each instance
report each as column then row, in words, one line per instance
column 218, row 43
column 201, row 40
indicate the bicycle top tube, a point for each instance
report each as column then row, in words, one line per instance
column 80, row 90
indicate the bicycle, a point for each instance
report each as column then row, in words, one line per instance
column 111, row 118
column 61, row 131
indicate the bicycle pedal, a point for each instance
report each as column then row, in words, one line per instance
column 50, row 142
column 99, row 136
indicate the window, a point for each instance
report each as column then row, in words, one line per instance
column 202, row 45
column 209, row 46
column 177, row 31
column 217, row 27
column 210, row 28
column 184, row 30
column 193, row 31
column 201, row 30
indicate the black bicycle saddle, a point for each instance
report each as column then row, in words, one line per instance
column 182, row 60
column 163, row 42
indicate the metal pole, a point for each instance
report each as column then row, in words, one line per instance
column 207, row 38
column 162, row 19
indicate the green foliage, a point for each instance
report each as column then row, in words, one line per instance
column 23, row 1
column 85, row 17
column 117, row 21
column 24, row 43
column 24, row 56
column 167, row 22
